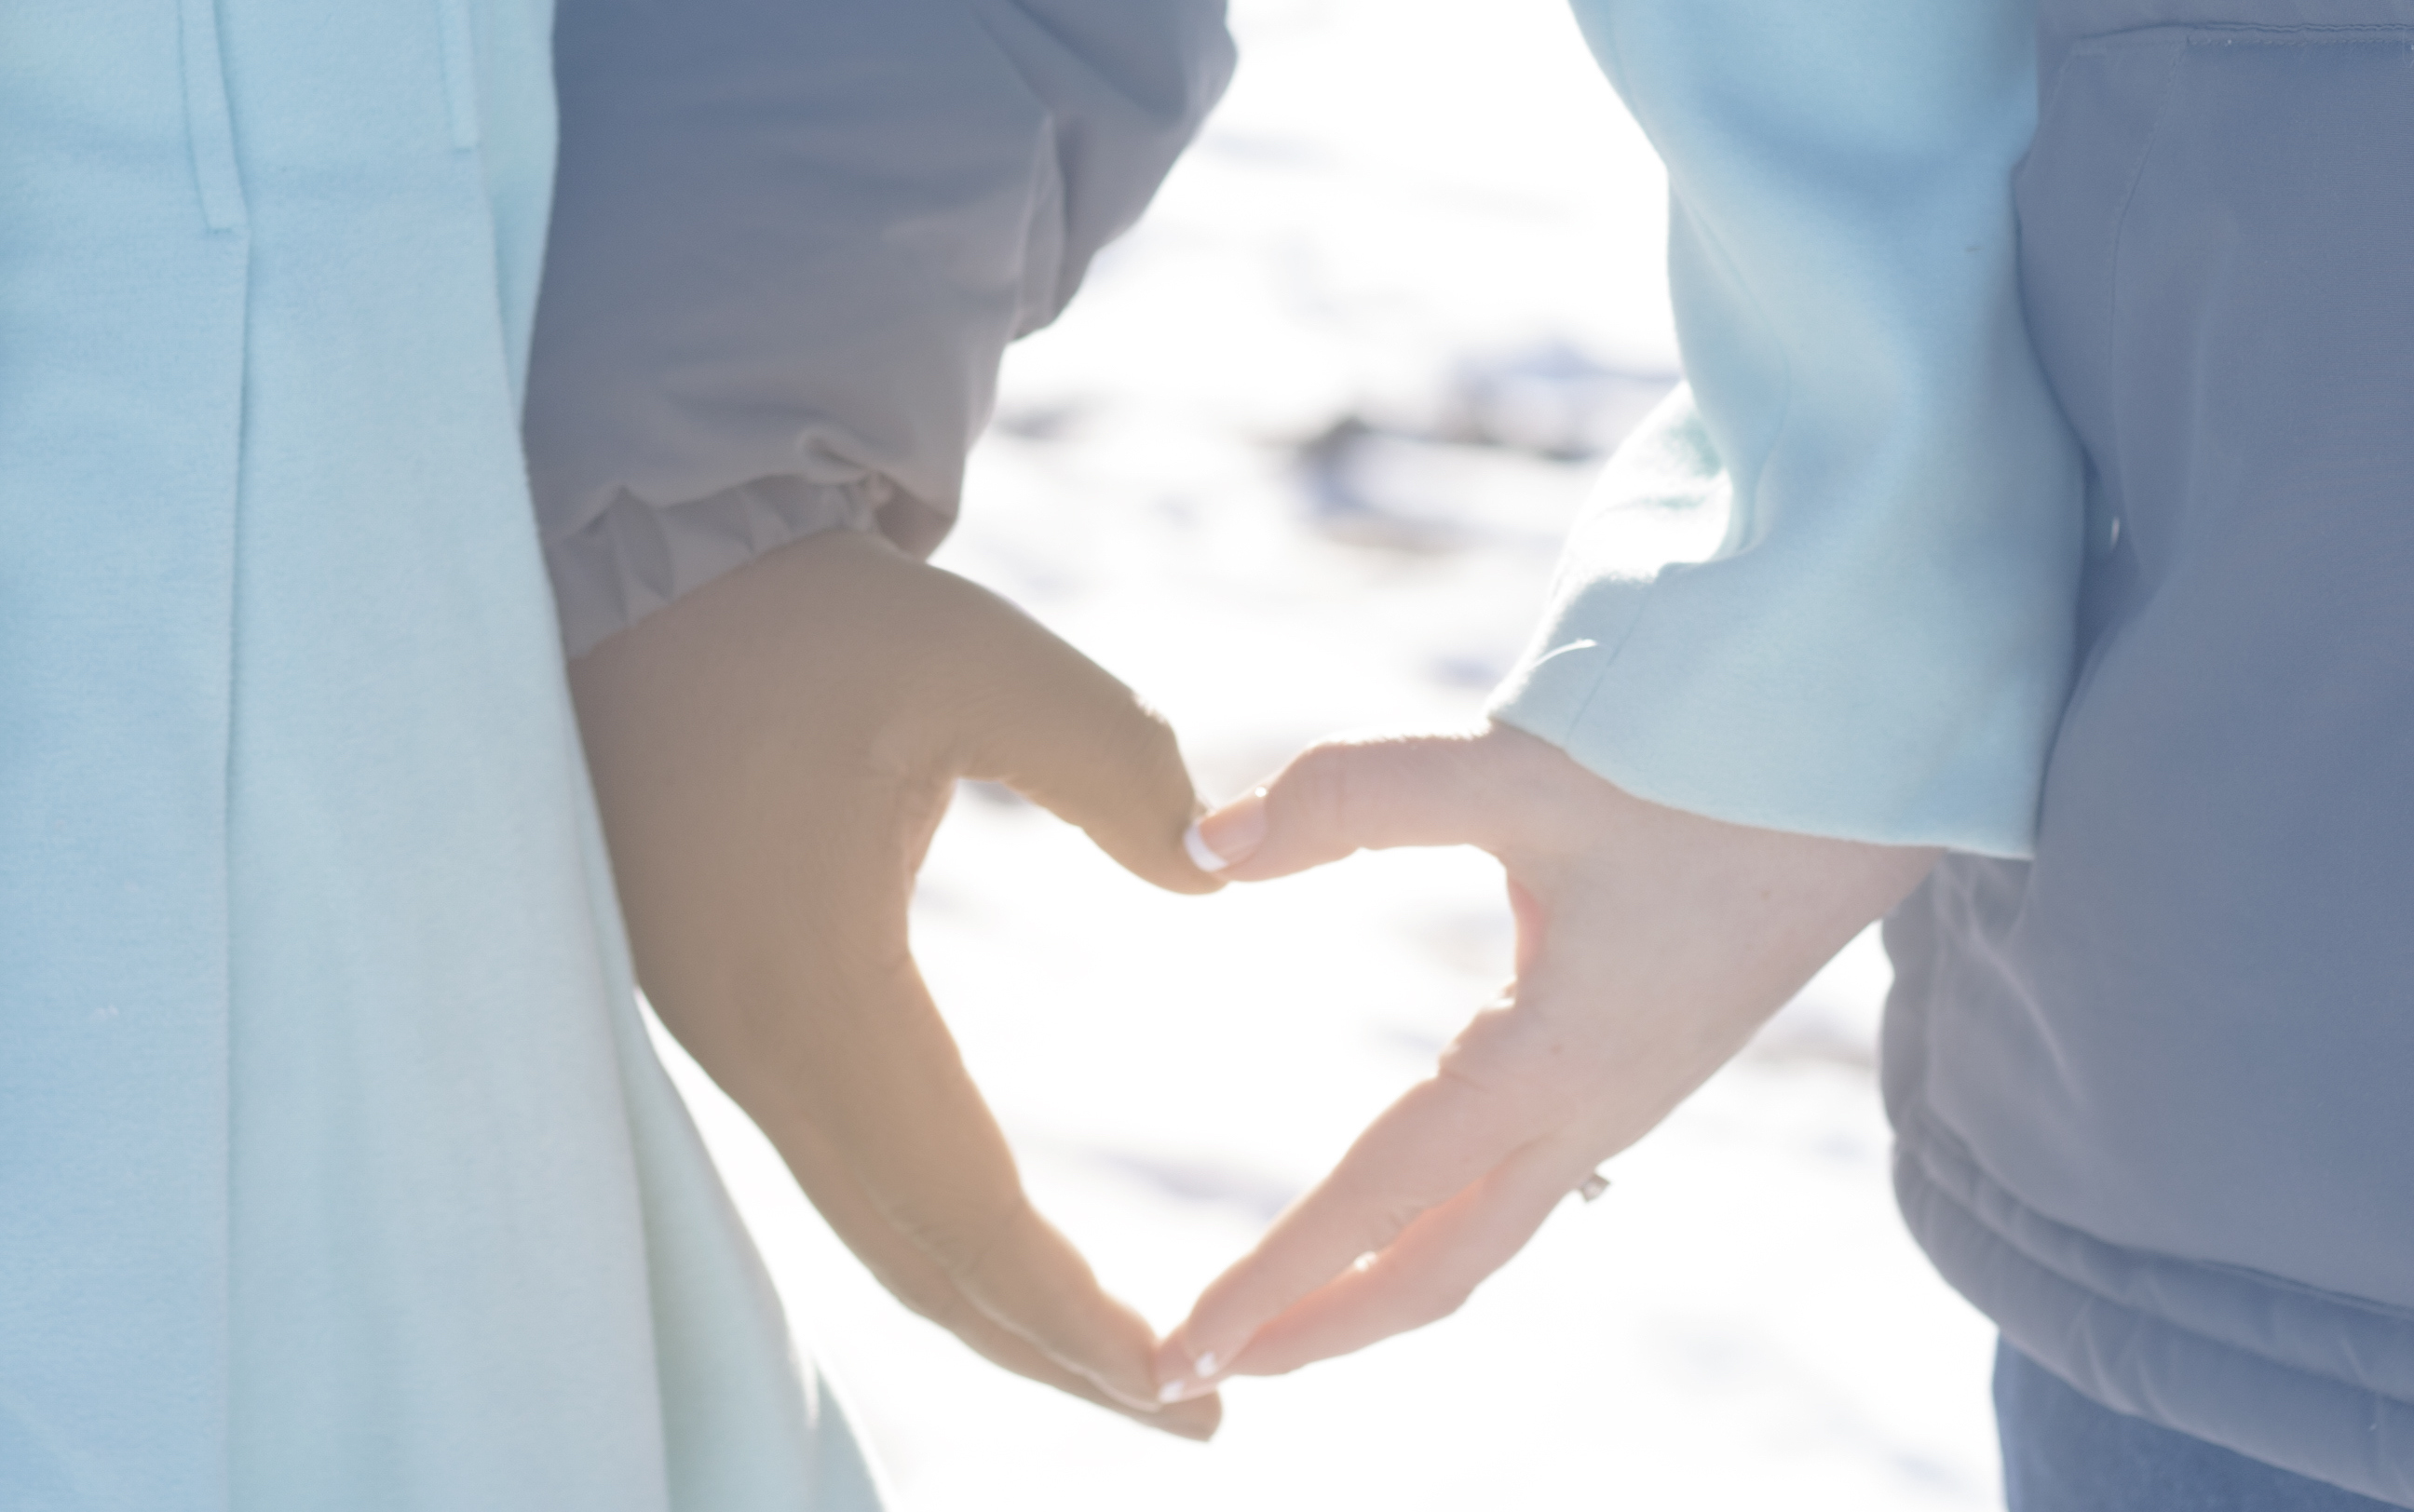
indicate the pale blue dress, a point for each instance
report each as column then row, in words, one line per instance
column 335, row 1170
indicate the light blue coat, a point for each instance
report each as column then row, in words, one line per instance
column 1828, row 587
column 1865, row 579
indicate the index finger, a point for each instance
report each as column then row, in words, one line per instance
column 802, row 997
column 913, row 1278
column 1429, row 1270
column 884, row 1085
column 1028, row 709
column 1440, row 1138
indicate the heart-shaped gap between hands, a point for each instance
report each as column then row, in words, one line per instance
column 1651, row 944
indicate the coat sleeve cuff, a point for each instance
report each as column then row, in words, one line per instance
column 1830, row 587
column 1846, row 681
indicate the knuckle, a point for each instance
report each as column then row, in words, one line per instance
column 1156, row 754
column 1376, row 1214
column 974, row 1256
column 1514, row 1056
column 1440, row 1302
column 1324, row 787
column 1152, row 737
column 1461, row 1069
column 1126, row 729
column 1134, row 754
column 1414, row 1301
column 926, row 1296
column 1391, row 1219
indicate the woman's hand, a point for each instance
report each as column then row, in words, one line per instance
column 772, row 754
column 1650, row 944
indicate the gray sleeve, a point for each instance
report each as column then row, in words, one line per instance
column 791, row 239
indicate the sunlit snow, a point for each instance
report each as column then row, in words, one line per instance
column 1297, row 462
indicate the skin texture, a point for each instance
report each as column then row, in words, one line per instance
column 773, row 753
column 1651, row 943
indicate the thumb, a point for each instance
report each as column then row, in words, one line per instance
column 1340, row 797
column 1058, row 729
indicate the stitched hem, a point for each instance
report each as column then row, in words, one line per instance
column 2314, row 1383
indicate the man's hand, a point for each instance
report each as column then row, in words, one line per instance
column 772, row 754
column 1650, row 944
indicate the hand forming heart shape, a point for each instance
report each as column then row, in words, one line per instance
column 1651, row 942
column 772, row 754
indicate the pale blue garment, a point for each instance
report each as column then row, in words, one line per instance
column 1827, row 587
column 335, row 1168
column 2150, row 1091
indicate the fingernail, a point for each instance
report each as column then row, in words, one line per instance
column 1201, row 857
column 1230, row 835
column 1196, row 1427
column 1182, row 1378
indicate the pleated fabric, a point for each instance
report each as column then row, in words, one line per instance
column 336, row 1169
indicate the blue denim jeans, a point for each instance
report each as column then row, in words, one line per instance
column 2063, row 1452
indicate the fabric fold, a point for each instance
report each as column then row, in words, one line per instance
column 790, row 246
column 1830, row 588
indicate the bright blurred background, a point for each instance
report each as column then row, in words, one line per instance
column 1297, row 461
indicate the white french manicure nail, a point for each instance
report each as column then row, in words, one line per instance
column 1201, row 856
